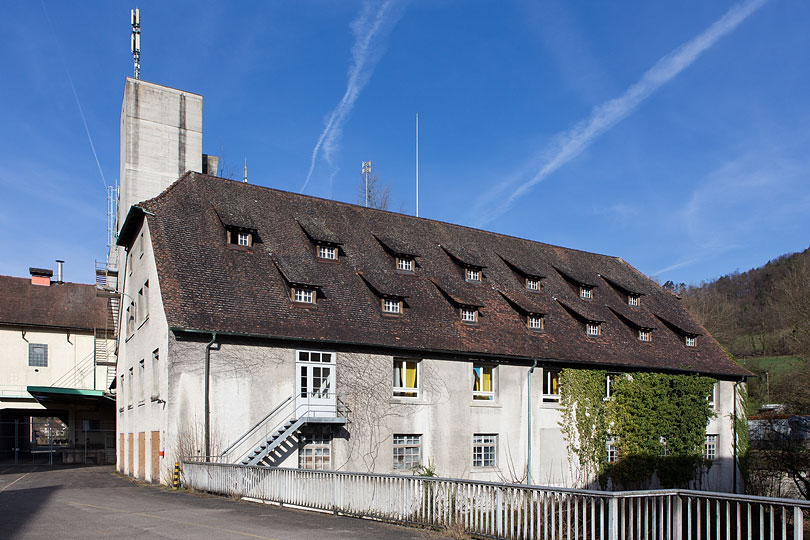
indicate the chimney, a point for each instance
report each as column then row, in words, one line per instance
column 59, row 266
column 209, row 164
column 41, row 276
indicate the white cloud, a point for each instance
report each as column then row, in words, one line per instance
column 578, row 138
column 370, row 29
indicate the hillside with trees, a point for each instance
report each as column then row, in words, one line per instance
column 762, row 318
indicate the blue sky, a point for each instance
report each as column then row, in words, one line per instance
column 674, row 135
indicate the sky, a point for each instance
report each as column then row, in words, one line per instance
column 674, row 135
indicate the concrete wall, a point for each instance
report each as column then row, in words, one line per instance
column 161, row 138
column 140, row 405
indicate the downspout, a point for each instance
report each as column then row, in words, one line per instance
column 734, row 425
column 207, row 413
column 529, row 427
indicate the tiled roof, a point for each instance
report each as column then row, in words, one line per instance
column 72, row 306
column 207, row 285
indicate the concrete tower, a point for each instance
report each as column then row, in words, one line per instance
column 161, row 138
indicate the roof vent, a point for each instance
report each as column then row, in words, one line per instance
column 59, row 266
column 41, row 276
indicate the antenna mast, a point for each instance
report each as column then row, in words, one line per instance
column 417, row 164
column 136, row 40
column 366, row 168
column 244, row 178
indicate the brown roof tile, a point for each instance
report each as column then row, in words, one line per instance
column 208, row 286
column 72, row 306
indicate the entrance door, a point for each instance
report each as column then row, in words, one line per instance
column 315, row 395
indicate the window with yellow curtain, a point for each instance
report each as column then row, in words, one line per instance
column 483, row 382
column 551, row 385
column 406, row 377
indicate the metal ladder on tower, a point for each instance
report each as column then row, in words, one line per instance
column 105, row 342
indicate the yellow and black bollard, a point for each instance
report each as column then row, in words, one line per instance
column 176, row 479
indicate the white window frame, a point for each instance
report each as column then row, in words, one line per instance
column 611, row 450
column 472, row 274
column 644, row 334
column 401, row 388
column 485, row 451
column 327, row 253
column 586, row 292
column 141, row 378
column 690, row 341
column 243, row 239
column 710, row 447
column 391, row 306
column 315, row 451
column 535, row 321
column 405, row 264
column 549, row 375
column 406, row 447
column 610, row 379
column 593, row 328
column 303, row 295
column 468, row 315
column 634, row 300
column 712, row 397
column 485, row 395
column 533, row 284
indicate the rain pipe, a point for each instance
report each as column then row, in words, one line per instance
column 529, row 426
column 207, row 413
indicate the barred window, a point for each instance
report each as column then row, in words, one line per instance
column 691, row 341
column 315, row 451
column 633, row 300
column 37, row 355
column 586, row 292
column 472, row 274
column 407, row 452
column 644, row 335
column 485, row 450
column 532, row 284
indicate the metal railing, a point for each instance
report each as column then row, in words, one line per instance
column 511, row 511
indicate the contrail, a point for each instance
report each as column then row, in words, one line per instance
column 575, row 140
column 75, row 96
column 368, row 29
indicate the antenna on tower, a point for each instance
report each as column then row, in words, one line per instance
column 244, row 179
column 366, row 168
column 136, row 40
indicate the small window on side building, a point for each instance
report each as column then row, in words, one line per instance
column 593, row 329
column 535, row 321
column 533, row 284
column 691, row 341
column 633, row 300
column 644, row 334
column 38, row 355
column 303, row 295
column 586, row 292
column 469, row 315
column 407, row 452
column 391, row 306
column 472, row 274
column 327, row 253
column 404, row 264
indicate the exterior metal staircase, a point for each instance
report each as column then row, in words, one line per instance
column 104, row 339
column 258, row 444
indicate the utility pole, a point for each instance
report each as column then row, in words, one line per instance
column 417, row 164
column 366, row 168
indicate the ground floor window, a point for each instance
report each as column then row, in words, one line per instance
column 407, row 452
column 485, row 450
column 710, row 447
column 315, row 451
column 611, row 450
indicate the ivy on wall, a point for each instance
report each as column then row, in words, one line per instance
column 658, row 421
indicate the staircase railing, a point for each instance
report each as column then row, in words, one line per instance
column 258, row 433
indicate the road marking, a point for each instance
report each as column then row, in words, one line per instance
column 181, row 522
column 14, row 482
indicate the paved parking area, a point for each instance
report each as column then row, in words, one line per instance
column 40, row 502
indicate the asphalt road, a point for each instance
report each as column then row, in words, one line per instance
column 40, row 502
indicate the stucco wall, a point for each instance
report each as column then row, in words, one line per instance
column 140, row 407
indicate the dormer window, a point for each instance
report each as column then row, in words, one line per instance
column 469, row 315
column 633, row 300
column 586, row 292
column 391, row 306
column 533, row 284
column 238, row 237
column 691, row 341
column 303, row 295
column 472, row 274
column 404, row 264
column 327, row 253
column 534, row 321
column 644, row 334
column 593, row 328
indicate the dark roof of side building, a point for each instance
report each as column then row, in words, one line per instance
column 207, row 285
column 72, row 306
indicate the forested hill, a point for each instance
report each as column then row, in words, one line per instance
column 761, row 312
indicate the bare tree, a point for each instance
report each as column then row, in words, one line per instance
column 379, row 194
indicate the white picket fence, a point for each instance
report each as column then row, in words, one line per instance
column 510, row 511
